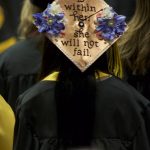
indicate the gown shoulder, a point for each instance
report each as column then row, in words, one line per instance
column 122, row 118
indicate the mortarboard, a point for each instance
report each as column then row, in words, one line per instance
column 82, row 29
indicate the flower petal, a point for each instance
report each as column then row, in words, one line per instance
column 59, row 16
column 51, row 20
column 119, row 19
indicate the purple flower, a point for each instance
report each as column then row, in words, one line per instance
column 50, row 21
column 110, row 28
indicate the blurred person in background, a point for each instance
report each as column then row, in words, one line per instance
column 7, row 121
column 9, row 20
column 123, row 7
column 20, row 64
column 135, row 49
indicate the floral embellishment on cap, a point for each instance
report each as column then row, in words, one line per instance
column 110, row 25
column 51, row 20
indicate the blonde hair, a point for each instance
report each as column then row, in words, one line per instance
column 135, row 44
column 26, row 27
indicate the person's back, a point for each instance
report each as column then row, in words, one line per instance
column 21, row 63
column 121, row 115
column 19, row 68
column 81, row 104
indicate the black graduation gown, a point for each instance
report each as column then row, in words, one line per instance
column 19, row 66
column 141, row 83
column 122, row 118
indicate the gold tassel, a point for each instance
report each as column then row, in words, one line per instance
column 114, row 61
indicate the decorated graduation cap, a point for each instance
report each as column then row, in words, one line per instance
column 82, row 29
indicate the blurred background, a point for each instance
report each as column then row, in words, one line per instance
column 9, row 20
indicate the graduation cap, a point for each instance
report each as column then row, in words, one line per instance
column 82, row 29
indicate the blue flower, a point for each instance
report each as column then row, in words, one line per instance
column 110, row 28
column 50, row 21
